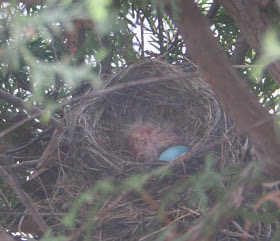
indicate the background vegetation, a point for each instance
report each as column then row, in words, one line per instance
column 52, row 52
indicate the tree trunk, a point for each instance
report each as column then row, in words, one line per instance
column 251, row 118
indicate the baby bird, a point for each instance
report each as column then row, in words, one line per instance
column 147, row 141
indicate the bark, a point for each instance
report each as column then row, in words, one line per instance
column 239, row 102
column 253, row 22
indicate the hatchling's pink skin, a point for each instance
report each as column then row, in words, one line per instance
column 147, row 141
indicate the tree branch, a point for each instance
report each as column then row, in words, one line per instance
column 213, row 10
column 25, row 199
column 239, row 102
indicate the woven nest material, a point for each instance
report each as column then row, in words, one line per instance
column 91, row 150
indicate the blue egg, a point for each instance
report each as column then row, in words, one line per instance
column 173, row 152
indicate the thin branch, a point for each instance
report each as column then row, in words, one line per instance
column 142, row 36
column 26, row 164
column 106, row 42
column 5, row 199
column 236, row 234
column 25, row 199
column 160, row 31
column 24, row 158
column 58, row 79
column 28, row 214
column 18, row 124
column 108, row 90
column 245, row 66
column 39, row 137
column 52, row 44
column 23, row 105
column 110, row 57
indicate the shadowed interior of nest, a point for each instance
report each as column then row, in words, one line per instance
column 91, row 147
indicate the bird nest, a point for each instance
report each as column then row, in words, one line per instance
column 118, row 197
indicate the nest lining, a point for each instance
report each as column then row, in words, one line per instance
column 91, row 149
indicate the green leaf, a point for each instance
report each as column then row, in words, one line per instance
column 98, row 9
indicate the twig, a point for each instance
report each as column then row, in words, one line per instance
column 52, row 44
column 25, row 199
column 26, row 164
column 24, row 158
column 246, row 66
column 176, row 44
column 39, row 137
column 160, row 31
column 142, row 35
column 19, row 124
column 5, row 199
column 236, row 234
column 27, row 106
column 28, row 214
column 107, row 90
